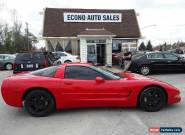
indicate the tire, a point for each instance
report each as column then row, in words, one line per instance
column 67, row 61
column 144, row 70
column 152, row 99
column 9, row 66
column 39, row 103
column 59, row 62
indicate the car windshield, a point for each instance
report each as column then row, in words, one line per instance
column 109, row 74
column 29, row 56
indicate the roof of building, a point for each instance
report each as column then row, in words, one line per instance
column 54, row 25
column 96, row 32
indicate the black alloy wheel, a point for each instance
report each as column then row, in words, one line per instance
column 152, row 99
column 39, row 103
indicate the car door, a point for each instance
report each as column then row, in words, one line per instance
column 174, row 63
column 79, row 88
column 63, row 57
column 157, row 61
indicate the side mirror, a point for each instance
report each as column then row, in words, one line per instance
column 99, row 79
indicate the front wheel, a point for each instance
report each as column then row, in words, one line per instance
column 152, row 99
column 9, row 66
column 144, row 70
column 39, row 103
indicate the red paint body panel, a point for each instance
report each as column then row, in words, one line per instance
column 70, row 93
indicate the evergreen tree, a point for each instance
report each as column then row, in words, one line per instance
column 149, row 46
column 59, row 47
column 50, row 47
column 2, row 48
column 142, row 47
column 165, row 46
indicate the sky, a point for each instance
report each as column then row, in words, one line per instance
column 159, row 20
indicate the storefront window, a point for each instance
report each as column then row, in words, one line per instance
column 116, row 47
column 119, row 45
column 49, row 45
column 68, row 47
column 59, row 47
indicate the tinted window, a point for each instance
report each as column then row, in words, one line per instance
column 37, row 56
column 1, row 57
column 137, row 56
column 170, row 56
column 62, row 54
column 7, row 57
column 155, row 56
column 81, row 73
column 12, row 57
column 59, row 54
column 29, row 56
column 108, row 74
column 48, row 72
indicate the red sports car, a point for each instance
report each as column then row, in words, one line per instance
column 83, row 85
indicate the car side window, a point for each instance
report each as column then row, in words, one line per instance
column 170, row 56
column 62, row 54
column 7, row 57
column 155, row 56
column 1, row 57
column 81, row 73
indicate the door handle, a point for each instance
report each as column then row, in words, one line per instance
column 169, row 61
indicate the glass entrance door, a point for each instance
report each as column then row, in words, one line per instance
column 100, row 51
column 91, row 53
column 96, row 53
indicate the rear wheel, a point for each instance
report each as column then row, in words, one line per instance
column 152, row 99
column 145, row 70
column 67, row 61
column 39, row 103
column 8, row 66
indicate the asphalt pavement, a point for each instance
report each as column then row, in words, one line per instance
column 106, row 121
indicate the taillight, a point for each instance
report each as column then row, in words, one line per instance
column 77, row 57
column 14, row 66
column 45, row 64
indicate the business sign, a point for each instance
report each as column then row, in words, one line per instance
column 92, row 17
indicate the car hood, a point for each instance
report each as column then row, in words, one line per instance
column 133, row 76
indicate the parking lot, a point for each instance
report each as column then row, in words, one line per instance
column 107, row 121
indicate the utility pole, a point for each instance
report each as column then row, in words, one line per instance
column 27, row 36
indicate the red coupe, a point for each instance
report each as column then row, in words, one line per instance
column 83, row 85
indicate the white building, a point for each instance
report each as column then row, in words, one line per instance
column 93, row 34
